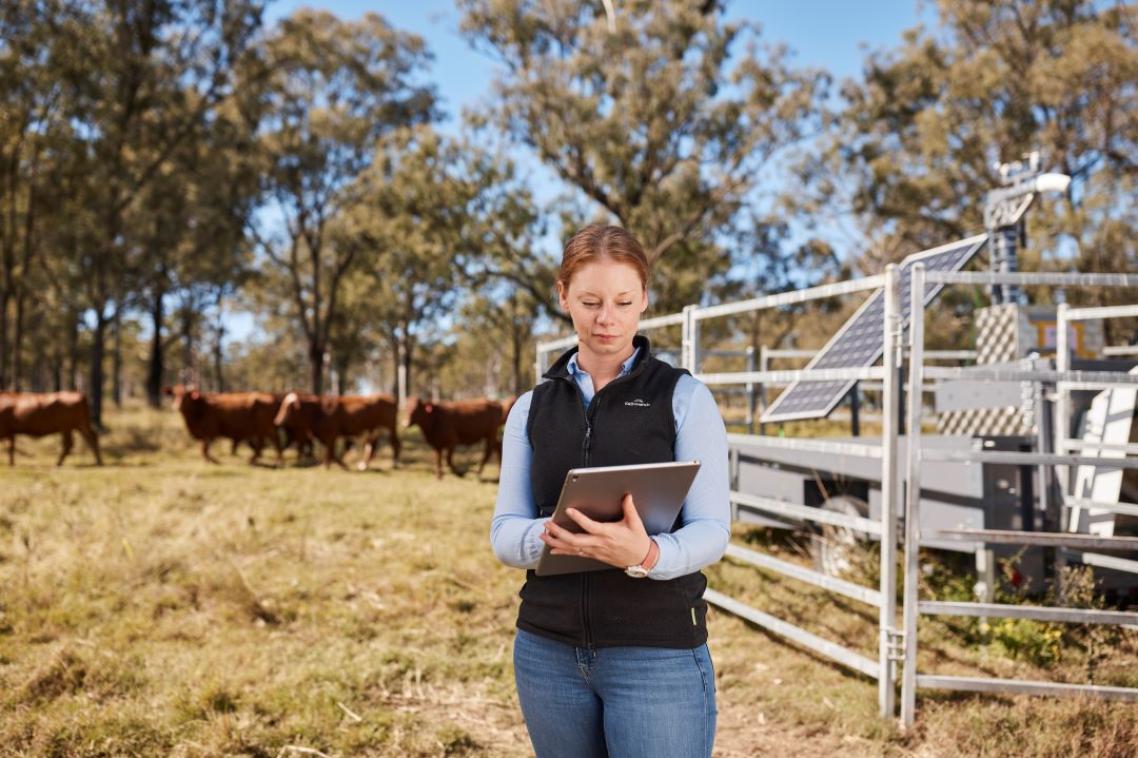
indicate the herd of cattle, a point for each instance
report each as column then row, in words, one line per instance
column 261, row 420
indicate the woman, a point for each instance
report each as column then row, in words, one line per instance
column 614, row 662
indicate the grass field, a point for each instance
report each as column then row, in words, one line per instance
column 164, row 606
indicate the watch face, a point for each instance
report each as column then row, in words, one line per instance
column 636, row 572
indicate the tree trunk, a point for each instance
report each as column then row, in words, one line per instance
column 18, row 344
column 36, row 380
column 116, row 358
column 516, row 361
column 407, row 347
column 218, row 362
column 4, row 339
column 316, row 362
column 73, row 351
column 95, row 388
column 156, row 366
column 394, row 342
column 189, row 374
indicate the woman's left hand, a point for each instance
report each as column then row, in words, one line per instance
column 620, row 543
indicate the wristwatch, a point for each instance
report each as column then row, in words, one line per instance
column 640, row 570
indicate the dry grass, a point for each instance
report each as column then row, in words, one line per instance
column 162, row 606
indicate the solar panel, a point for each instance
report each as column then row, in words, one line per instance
column 859, row 343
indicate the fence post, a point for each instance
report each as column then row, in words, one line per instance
column 913, row 494
column 1062, row 410
column 886, row 694
column 764, row 364
column 689, row 350
column 750, row 389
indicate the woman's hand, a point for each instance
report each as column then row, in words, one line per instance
column 621, row 543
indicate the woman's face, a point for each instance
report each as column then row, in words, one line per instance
column 605, row 299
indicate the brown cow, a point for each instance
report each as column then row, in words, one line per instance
column 507, row 406
column 38, row 414
column 303, row 442
column 237, row 416
column 329, row 418
column 446, row 425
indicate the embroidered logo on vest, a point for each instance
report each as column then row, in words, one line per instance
column 638, row 403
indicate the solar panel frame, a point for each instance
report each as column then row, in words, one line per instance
column 970, row 246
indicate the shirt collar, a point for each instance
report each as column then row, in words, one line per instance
column 625, row 367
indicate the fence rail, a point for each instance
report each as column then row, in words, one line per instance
column 1022, row 687
column 1035, row 612
column 807, row 445
column 1024, row 279
column 803, row 574
column 805, row 513
column 809, row 640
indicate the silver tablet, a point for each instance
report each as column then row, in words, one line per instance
column 658, row 489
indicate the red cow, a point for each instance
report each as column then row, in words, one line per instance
column 446, row 425
column 38, row 414
column 292, row 436
column 507, row 406
column 329, row 418
column 237, row 416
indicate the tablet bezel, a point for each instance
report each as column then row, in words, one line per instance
column 658, row 489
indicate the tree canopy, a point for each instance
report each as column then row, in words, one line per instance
column 167, row 168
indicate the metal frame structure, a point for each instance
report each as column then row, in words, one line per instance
column 884, row 597
column 898, row 646
column 884, row 669
column 1065, row 380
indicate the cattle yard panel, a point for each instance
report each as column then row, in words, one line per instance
column 884, row 598
column 884, row 669
column 897, row 646
column 1065, row 380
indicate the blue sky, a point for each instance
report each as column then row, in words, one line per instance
column 832, row 34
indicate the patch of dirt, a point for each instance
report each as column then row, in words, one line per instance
column 744, row 731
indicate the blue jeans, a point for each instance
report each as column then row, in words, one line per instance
column 618, row 702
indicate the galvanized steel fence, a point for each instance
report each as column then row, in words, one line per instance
column 898, row 645
column 883, row 669
column 1065, row 380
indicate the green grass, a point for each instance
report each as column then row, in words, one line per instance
column 164, row 606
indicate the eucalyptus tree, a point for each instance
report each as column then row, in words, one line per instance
column 924, row 126
column 138, row 80
column 414, row 209
column 499, row 322
column 189, row 228
column 328, row 90
column 661, row 113
column 30, row 94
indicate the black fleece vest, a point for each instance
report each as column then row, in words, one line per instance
column 629, row 421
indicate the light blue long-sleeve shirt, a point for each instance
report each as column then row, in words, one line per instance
column 705, row 517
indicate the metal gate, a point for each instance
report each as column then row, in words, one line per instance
column 1065, row 380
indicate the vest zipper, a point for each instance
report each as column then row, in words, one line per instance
column 588, row 441
column 585, row 623
column 589, row 414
